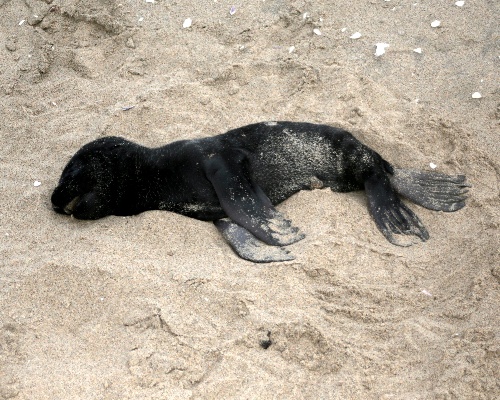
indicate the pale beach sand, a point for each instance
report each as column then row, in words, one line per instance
column 157, row 306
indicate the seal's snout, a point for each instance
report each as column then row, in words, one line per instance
column 66, row 209
column 62, row 201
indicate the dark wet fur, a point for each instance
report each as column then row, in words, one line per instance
column 241, row 175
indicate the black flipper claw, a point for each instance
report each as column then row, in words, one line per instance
column 393, row 218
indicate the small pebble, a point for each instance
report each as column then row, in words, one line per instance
column 436, row 24
column 187, row 23
column 343, row 29
column 10, row 44
column 291, row 49
column 426, row 293
column 380, row 49
column 432, row 165
column 37, row 183
column 317, row 31
column 418, row 50
column 232, row 10
column 476, row 95
column 130, row 43
column 460, row 3
column 356, row 35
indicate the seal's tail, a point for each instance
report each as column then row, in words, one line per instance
column 431, row 190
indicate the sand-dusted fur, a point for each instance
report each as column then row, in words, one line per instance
column 242, row 174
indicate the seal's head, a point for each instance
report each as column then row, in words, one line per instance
column 85, row 189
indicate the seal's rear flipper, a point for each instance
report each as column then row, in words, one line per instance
column 397, row 222
column 434, row 191
column 248, row 246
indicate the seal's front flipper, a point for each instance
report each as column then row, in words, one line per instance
column 246, row 204
column 431, row 190
column 248, row 246
column 396, row 221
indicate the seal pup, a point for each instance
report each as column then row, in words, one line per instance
column 235, row 179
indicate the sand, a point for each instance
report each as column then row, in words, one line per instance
column 157, row 306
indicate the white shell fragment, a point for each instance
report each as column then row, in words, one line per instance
column 232, row 10
column 22, row 21
column 418, row 50
column 426, row 293
column 150, row 1
column 380, row 49
column 37, row 183
column 187, row 23
column 436, row 23
column 343, row 29
column 476, row 95
column 460, row 3
column 432, row 165
column 291, row 49
column 317, row 31
column 356, row 35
